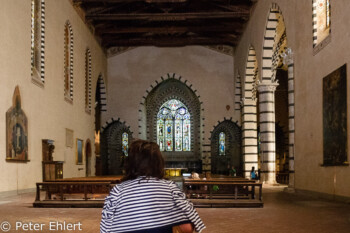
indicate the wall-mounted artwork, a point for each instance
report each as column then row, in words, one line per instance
column 69, row 138
column 16, row 131
column 79, row 152
column 334, row 118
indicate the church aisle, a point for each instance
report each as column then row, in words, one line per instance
column 282, row 213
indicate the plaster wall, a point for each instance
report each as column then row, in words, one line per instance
column 131, row 73
column 309, row 71
column 47, row 111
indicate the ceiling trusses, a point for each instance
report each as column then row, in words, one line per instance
column 168, row 23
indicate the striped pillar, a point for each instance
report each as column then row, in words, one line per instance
column 288, row 59
column 249, row 136
column 267, row 130
column 291, row 123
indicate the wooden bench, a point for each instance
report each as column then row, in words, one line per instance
column 72, row 194
column 235, row 193
column 112, row 179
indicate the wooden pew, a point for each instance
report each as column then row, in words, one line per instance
column 112, row 179
column 72, row 194
column 236, row 193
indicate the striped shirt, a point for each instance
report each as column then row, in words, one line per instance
column 147, row 205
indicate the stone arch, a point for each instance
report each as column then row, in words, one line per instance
column 172, row 86
column 249, row 114
column 233, row 155
column 275, row 52
column 275, row 30
column 112, row 156
column 251, row 75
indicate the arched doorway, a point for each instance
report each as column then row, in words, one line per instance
column 88, row 158
column 282, row 128
column 115, row 140
column 226, row 149
column 100, row 106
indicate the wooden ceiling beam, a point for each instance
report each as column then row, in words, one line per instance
column 106, row 1
column 167, row 41
column 168, row 29
column 168, row 16
column 127, row 1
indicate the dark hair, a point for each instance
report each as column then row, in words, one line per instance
column 144, row 159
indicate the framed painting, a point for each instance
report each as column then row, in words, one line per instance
column 16, row 131
column 79, row 151
column 335, row 118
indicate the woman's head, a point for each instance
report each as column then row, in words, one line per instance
column 144, row 159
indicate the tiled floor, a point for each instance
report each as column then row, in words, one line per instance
column 282, row 213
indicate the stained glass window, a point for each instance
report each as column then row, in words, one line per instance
column 222, row 147
column 174, row 127
column 125, row 143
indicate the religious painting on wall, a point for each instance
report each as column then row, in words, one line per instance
column 79, row 152
column 334, row 118
column 16, row 131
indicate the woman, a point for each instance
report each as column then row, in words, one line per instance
column 145, row 202
column 253, row 175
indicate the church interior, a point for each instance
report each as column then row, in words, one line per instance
column 219, row 85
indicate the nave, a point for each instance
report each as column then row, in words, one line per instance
column 282, row 213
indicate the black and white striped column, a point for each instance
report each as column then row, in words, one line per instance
column 267, row 130
column 249, row 136
column 288, row 60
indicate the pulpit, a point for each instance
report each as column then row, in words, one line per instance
column 52, row 170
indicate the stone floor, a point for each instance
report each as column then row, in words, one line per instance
column 282, row 213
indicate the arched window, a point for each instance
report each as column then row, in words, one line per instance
column 37, row 41
column 226, row 148
column 88, row 81
column 68, row 62
column 322, row 20
column 174, row 127
column 222, row 147
column 125, row 143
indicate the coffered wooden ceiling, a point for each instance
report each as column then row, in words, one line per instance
column 166, row 23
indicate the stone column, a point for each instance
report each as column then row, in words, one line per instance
column 249, row 136
column 288, row 60
column 267, row 90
